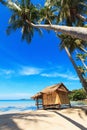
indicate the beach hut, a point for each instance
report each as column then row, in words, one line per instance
column 52, row 97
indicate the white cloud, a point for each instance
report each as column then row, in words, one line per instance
column 29, row 71
column 73, row 78
column 21, row 70
column 6, row 72
column 62, row 75
column 45, row 72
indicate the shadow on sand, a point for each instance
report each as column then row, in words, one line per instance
column 7, row 123
column 7, row 120
column 72, row 121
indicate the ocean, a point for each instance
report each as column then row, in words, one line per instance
column 24, row 105
column 17, row 105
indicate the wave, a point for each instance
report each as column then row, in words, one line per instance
column 17, row 105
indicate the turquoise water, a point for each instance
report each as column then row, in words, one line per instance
column 14, row 105
column 23, row 105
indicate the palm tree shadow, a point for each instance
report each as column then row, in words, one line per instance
column 7, row 123
column 72, row 121
column 12, row 126
column 7, row 120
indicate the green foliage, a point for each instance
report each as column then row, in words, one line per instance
column 47, row 15
column 71, row 43
column 51, row 13
column 69, row 9
column 21, row 11
column 79, row 94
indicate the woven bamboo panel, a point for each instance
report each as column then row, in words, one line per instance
column 63, row 98
column 55, row 98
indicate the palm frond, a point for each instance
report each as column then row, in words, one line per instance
column 13, row 5
column 39, row 31
column 22, row 10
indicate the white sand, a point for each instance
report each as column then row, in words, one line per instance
column 66, row 119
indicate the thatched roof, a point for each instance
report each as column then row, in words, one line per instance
column 54, row 88
column 57, row 87
column 37, row 95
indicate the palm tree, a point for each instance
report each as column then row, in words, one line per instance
column 71, row 14
column 26, row 17
column 67, row 11
column 69, row 48
column 79, row 73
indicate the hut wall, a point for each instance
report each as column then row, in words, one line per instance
column 55, row 98
column 63, row 98
column 51, row 99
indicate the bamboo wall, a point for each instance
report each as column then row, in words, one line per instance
column 63, row 98
column 52, row 98
column 55, row 98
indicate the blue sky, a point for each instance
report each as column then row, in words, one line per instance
column 26, row 69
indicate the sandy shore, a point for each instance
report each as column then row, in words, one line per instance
column 65, row 119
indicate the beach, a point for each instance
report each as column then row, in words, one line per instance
column 64, row 119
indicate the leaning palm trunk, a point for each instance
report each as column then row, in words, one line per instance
column 82, row 80
column 78, row 32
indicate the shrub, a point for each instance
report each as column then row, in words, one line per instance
column 77, row 95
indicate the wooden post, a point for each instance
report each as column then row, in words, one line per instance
column 37, row 103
